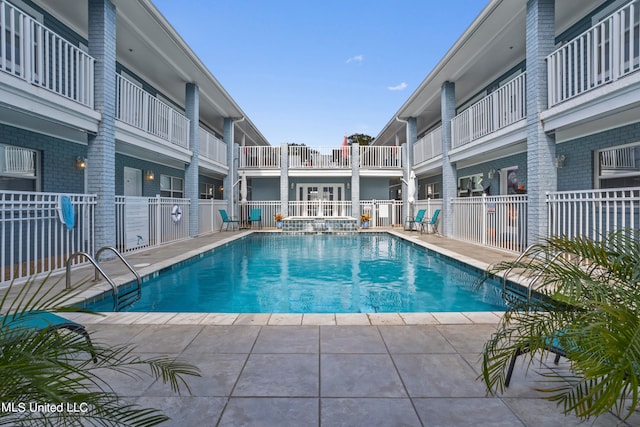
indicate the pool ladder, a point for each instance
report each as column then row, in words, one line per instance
column 537, row 276
column 120, row 300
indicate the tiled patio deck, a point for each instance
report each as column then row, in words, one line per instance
column 327, row 370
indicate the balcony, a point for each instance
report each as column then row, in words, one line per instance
column 603, row 54
column 260, row 158
column 501, row 108
column 32, row 52
column 140, row 109
column 212, row 148
column 380, row 157
column 428, row 147
column 302, row 157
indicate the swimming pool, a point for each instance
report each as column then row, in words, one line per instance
column 317, row 273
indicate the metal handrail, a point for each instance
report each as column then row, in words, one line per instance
column 114, row 287
column 99, row 271
column 119, row 255
column 520, row 257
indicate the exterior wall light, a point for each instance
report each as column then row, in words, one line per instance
column 81, row 162
column 149, row 176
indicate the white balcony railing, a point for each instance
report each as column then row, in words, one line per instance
column 302, row 157
column 498, row 110
column 260, row 157
column 428, row 147
column 600, row 55
column 211, row 147
column 138, row 108
column 380, row 157
column 32, row 52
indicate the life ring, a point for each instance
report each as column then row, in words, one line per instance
column 176, row 213
column 65, row 212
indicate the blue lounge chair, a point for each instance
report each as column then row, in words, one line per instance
column 255, row 216
column 411, row 223
column 44, row 321
column 433, row 222
column 226, row 220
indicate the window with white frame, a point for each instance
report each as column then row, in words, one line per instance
column 171, row 186
column 470, row 185
column 18, row 169
column 618, row 167
column 432, row 190
column 207, row 190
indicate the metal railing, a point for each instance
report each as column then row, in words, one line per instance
column 380, row 157
column 34, row 53
column 211, row 147
column 142, row 222
column 501, row 108
column 259, row 157
column 602, row 54
column 302, row 157
column 33, row 235
column 140, row 109
column 209, row 220
column 495, row 221
column 428, row 147
column 592, row 213
column 320, row 208
column 383, row 213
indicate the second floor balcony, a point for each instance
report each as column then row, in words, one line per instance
column 428, row 147
column 606, row 52
column 141, row 110
column 501, row 108
column 332, row 158
column 34, row 53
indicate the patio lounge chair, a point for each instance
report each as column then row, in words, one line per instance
column 255, row 216
column 433, row 222
column 226, row 220
column 412, row 223
column 44, row 321
column 552, row 346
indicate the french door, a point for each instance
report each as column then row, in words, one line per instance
column 321, row 199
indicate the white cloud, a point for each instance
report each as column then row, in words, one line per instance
column 401, row 86
column 357, row 58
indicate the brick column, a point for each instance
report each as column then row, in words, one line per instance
column 192, row 110
column 284, row 179
column 355, row 180
column 230, row 179
column 101, row 149
column 449, row 173
column 541, row 147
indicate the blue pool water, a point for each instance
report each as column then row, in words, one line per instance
column 281, row 273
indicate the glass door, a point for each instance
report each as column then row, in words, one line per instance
column 320, row 199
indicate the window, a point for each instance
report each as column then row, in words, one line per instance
column 432, row 190
column 470, row 185
column 207, row 191
column 171, row 186
column 18, row 169
column 618, row 167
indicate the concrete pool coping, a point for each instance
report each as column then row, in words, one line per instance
column 152, row 261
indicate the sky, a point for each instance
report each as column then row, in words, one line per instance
column 309, row 72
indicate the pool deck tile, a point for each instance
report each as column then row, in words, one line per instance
column 319, row 319
column 290, row 370
column 285, row 319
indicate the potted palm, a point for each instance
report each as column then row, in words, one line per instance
column 278, row 217
column 365, row 219
column 590, row 310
